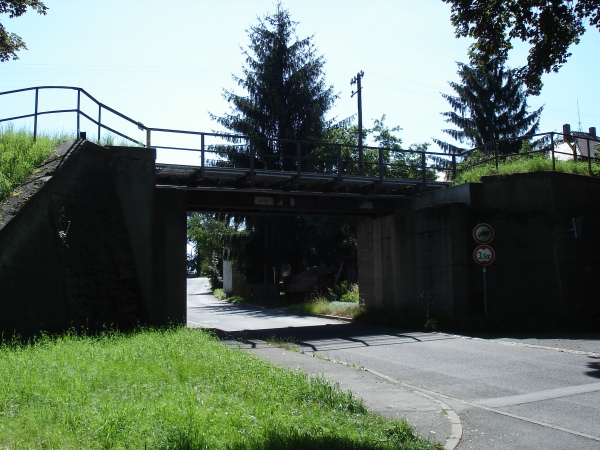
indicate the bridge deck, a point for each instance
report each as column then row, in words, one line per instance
column 193, row 176
column 274, row 192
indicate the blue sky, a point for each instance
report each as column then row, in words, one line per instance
column 165, row 64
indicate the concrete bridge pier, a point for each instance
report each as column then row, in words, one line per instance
column 169, row 297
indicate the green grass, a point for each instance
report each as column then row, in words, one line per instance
column 348, row 306
column 520, row 164
column 20, row 155
column 330, row 308
column 175, row 389
column 341, row 300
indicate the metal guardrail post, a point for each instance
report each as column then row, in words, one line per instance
column 496, row 154
column 589, row 152
column 78, row 111
column 148, row 142
column 99, row 121
column 424, row 166
column 202, row 155
column 381, row 171
column 35, row 117
column 252, row 153
column 453, row 166
column 552, row 150
column 298, row 159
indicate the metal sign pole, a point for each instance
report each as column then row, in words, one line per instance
column 484, row 255
column 485, row 308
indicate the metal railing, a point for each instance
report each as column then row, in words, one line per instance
column 78, row 110
column 254, row 153
column 227, row 149
column 553, row 146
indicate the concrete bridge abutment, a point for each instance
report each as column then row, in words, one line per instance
column 91, row 244
column 546, row 242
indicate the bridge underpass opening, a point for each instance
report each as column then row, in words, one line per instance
column 278, row 198
column 272, row 248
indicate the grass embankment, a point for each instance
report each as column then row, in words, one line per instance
column 521, row 164
column 178, row 389
column 20, row 155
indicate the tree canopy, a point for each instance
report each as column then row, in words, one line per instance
column 396, row 161
column 548, row 27
column 212, row 235
column 10, row 43
column 490, row 104
column 287, row 97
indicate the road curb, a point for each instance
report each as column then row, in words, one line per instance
column 456, row 428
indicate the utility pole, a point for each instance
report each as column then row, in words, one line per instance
column 356, row 80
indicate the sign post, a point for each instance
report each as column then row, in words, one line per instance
column 484, row 255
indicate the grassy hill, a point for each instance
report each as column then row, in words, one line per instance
column 19, row 157
column 521, row 163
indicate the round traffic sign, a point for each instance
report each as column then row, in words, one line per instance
column 484, row 255
column 483, row 233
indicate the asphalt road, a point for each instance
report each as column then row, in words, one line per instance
column 538, row 392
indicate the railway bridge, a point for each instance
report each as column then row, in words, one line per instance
column 97, row 236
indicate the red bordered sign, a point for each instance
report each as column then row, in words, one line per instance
column 483, row 233
column 484, row 255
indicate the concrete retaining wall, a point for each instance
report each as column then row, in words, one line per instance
column 82, row 252
column 423, row 254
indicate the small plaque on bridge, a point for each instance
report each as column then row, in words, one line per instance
column 267, row 201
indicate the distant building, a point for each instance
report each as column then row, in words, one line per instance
column 582, row 144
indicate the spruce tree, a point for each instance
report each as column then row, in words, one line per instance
column 286, row 94
column 286, row 97
column 490, row 104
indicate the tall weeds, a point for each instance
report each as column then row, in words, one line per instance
column 20, row 155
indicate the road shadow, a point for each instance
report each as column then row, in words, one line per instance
column 546, row 335
column 595, row 368
column 330, row 336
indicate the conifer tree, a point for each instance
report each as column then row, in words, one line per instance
column 490, row 104
column 286, row 94
column 286, row 97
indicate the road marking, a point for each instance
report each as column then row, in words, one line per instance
column 531, row 397
column 523, row 344
column 204, row 323
column 535, row 422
